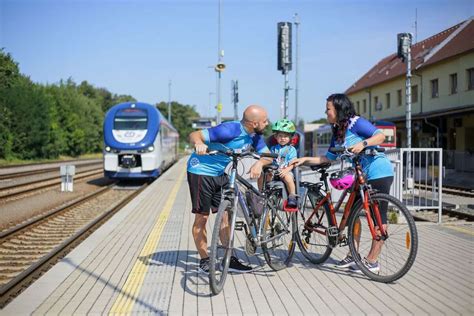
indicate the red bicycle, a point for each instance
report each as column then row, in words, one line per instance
column 394, row 245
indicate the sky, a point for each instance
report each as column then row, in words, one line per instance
column 136, row 47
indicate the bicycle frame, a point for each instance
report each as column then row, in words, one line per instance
column 360, row 186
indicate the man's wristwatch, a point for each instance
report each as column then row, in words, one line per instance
column 365, row 143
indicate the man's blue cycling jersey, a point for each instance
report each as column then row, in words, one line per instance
column 359, row 129
column 226, row 135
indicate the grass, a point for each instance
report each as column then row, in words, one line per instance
column 11, row 162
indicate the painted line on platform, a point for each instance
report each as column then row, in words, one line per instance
column 129, row 293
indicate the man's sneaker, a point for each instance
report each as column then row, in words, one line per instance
column 236, row 266
column 204, row 265
column 373, row 267
column 347, row 262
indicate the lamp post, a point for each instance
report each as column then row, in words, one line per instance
column 210, row 102
column 220, row 66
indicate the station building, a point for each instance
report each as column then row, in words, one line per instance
column 442, row 94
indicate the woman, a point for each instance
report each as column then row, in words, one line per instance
column 356, row 133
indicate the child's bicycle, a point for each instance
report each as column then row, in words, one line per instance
column 263, row 222
column 318, row 231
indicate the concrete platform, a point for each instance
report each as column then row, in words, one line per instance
column 143, row 261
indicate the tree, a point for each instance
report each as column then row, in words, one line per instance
column 320, row 121
column 181, row 117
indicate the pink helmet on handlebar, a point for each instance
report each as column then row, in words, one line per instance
column 343, row 179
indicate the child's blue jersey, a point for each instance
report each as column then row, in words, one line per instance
column 359, row 129
column 285, row 153
column 226, row 135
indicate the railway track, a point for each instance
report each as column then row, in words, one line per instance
column 448, row 190
column 29, row 249
column 26, row 173
column 8, row 192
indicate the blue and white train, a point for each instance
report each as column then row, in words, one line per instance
column 138, row 141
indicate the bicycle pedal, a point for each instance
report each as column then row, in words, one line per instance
column 240, row 225
column 289, row 209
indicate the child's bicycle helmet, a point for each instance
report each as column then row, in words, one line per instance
column 343, row 179
column 285, row 126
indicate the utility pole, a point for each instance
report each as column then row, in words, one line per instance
column 169, row 101
column 235, row 97
column 297, row 23
column 219, row 67
column 284, row 58
column 404, row 52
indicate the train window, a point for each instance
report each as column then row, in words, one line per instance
column 131, row 119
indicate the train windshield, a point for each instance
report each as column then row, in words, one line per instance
column 131, row 119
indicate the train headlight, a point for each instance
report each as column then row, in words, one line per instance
column 108, row 149
column 151, row 148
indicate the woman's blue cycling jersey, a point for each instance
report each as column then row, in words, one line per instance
column 359, row 129
column 223, row 136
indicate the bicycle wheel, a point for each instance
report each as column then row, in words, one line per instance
column 312, row 233
column 397, row 253
column 221, row 246
column 277, row 230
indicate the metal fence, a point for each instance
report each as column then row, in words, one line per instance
column 418, row 186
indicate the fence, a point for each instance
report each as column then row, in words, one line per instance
column 418, row 185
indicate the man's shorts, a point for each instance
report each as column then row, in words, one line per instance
column 206, row 192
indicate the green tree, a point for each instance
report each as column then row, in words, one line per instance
column 181, row 117
column 9, row 75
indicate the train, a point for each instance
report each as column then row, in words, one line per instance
column 138, row 142
column 323, row 136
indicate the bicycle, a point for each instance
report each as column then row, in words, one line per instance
column 269, row 230
column 318, row 231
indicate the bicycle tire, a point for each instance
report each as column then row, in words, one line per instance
column 398, row 251
column 279, row 251
column 313, row 245
column 220, row 254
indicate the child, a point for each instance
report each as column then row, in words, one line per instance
column 284, row 130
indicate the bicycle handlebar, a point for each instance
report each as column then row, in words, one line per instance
column 242, row 153
column 365, row 151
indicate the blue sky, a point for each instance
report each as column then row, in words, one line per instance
column 136, row 47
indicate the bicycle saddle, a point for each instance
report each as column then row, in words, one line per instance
column 269, row 167
column 319, row 166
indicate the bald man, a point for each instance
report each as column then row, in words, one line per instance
column 206, row 176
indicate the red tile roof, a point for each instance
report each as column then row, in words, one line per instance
column 456, row 40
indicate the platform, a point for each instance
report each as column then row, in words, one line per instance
column 143, row 261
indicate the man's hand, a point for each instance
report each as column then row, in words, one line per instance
column 200, row 149
column 357, row 148
column 256, row 170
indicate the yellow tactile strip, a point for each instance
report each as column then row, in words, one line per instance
column 128, row 294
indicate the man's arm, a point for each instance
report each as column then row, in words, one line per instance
column 196, row 139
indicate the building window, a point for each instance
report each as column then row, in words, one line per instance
column 414, row 94
column 376, row 101
column 453, row 83
column 399, row 97
column 434, row 88
column 470, row 79
column 358, row 107
column 387, row 100
column 364, row 103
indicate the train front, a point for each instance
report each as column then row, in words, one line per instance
column 130, row 131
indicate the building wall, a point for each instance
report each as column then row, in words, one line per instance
column 424, row 103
